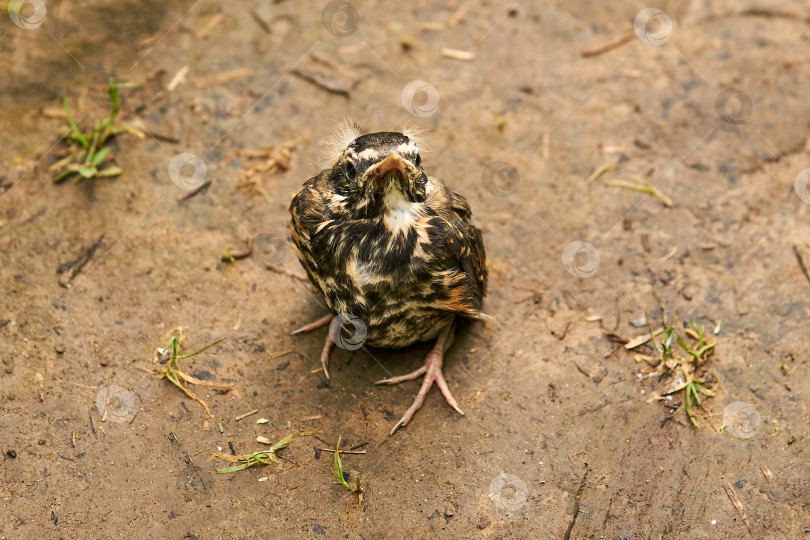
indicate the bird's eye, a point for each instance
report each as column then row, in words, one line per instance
column 350, row 169
column 418, row 160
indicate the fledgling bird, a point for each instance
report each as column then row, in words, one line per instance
column 393, row 247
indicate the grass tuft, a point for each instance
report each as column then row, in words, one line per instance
column 87, row 153
column 262, row 457
column 686, row 368
column 172, row 372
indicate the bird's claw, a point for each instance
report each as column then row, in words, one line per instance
column 432, row 370
column 402, row 378
column 323, row 321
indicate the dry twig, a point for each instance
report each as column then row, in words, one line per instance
column 737, row 504
column 618, row 42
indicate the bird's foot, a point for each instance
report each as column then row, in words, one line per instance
column 327, row 349
column 327, row 346
column 432, row 370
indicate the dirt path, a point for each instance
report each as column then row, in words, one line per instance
column 559, row 439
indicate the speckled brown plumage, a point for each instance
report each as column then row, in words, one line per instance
column 381, row 240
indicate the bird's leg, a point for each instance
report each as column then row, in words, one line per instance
column 323, row 321
column 327, row 346
column 432, row 370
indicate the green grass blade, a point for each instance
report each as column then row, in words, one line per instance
column 91, row 152
column 116, row 103
column 99, row 158
column 695, row 394
column 73, row 127
column 683, row 344
column 338, row 464
column 689, row 411
column 188, row 355
column 163, row 350
column 235, row 468
column 285, row 442
column 64, row 174
column 87, row 172
column 339, row 468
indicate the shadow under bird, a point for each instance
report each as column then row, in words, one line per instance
column 391, row 250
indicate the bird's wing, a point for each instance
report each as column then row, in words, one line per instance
column 309, row 210
column 464, row 248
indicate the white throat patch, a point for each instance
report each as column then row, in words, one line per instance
column 400, row 213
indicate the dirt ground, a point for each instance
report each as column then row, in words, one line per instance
column 560, row 437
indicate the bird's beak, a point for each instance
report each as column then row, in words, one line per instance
column 377, row 174
column 392, row 162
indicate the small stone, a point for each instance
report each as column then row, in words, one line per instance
column 642, row 143
column 205, row 376
column 639, row 321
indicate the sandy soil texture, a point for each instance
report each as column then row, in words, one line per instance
column 549, row 117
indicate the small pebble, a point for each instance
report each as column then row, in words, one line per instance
column 639, row 321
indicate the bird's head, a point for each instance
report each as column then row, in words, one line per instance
column 378, row 170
